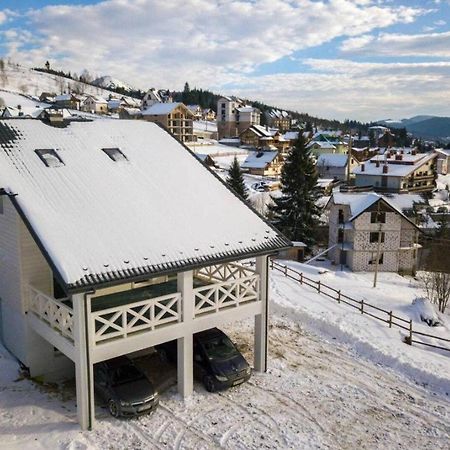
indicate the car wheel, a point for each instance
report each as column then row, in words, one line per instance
column 209, row 383
column 113, row 408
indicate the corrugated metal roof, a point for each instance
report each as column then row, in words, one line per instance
column 98, row 220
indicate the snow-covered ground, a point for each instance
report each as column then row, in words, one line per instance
column 324, row 389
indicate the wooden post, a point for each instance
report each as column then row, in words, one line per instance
column 318, row 286
column 390, row 319
column 410, row 332
column 301, row 277
column 362, row 306
column 285, row 271
column 339, row 296
column 262, row 319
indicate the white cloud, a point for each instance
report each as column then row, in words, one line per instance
column 428, row 44
column 208, row 42
column 3, row 17
column 365, row 91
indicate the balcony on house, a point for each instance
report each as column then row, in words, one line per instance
column 149, row 306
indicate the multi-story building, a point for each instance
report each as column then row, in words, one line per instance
column 398, row 171
column 278, row 119
column 176, row 117
column 366, row 231
column 234, row 116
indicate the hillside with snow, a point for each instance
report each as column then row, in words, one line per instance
column 23, row 80
column 108, row 82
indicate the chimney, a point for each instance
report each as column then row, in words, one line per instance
column 413, row 151
column 363, row 168
column 402, row 152
column 385, row 168
column 377, row 163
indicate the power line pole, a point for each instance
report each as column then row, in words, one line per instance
column 349, row 157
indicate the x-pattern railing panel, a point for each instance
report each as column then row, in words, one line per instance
column 121, row 321
column 217, row 296
column 52, row 311
column 224, row 272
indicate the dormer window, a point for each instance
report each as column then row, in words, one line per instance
column 115, row 154
column 49, row 157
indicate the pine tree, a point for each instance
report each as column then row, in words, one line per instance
column 295, row 212
column 235, row 179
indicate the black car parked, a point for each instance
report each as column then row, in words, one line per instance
column 217, row 361
column 125, row 388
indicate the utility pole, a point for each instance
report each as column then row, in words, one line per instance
column 349, row 157
column 378, row 245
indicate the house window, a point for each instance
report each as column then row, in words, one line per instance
column 115, row 154
column 373, row 237
column 373, row 258
column 377, row 217
column 49, row 157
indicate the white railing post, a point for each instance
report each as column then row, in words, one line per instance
column 261, row 320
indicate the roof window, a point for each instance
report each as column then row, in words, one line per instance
column 115, row 154
column 49, row 157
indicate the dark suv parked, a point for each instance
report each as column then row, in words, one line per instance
column 217, row 361
column 124, row 387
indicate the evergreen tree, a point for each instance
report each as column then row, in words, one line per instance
column 235, row 179
column 295, row 212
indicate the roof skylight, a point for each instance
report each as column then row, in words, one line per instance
column 49, row 157
column 115, row 154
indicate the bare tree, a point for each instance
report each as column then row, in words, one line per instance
column 436, row 286
column 3, row 76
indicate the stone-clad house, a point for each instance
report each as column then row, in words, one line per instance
column 362, row 223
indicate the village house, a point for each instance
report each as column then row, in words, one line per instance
column 260, row 137
column 153, row 96
column 47, row 97
column 263, row 163
column 234, row 116
column 401, row 170
column 174, row 116
column 209, row 115
column 95, row 104
column 108, row 252
column 335, row 166
column 443, row 160
column 69, row 101
column 279, row 119
column 366, row 232
column 196, row 111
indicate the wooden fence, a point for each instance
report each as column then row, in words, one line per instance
column 388, row 317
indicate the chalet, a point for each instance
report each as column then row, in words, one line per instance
column 109, row 253
column 153, row 96
column 443, row 160
column 209, row 114
column 265, row 163
column 95, row 104
column 366, row 231
column 278, row 119
column 400, row 170
column 196, row 111
column 174, row 116
column 260, row 137
column 335, row 166
column 206, row 159
column 47, row 97
column 69, row 101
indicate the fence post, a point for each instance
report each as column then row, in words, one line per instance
column 339, row 296
column 301, row 277
column 362, row 306
column 410, row 332
column 271, row 264
column 390, row 319
column 318, row 286
column 285, row 271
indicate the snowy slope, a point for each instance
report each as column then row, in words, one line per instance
column 109, row 82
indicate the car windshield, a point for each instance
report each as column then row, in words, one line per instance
column 126, row 374
column 219, row 348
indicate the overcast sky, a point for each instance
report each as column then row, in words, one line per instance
column 360, row 59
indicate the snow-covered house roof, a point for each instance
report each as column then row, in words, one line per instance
column 259, row 160
column 360, row 202
column 321, row 144
column 162, row 109
column 332, row 160
column 112, row 200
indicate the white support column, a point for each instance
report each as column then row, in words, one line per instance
column 84, row 372
column 261, row 320
column 185, row 285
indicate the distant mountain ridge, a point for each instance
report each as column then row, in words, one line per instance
column 423, row 126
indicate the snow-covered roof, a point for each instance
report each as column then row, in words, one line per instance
column 259, row 160
column 99, row 220
column 321, row 144
column 332, row 160
column 360, row 202
column 160, row 109
column 396, row 168
column 247, row 109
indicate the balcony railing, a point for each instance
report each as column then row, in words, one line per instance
column 52, row 311
column 232, row 285
column 145, row 315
